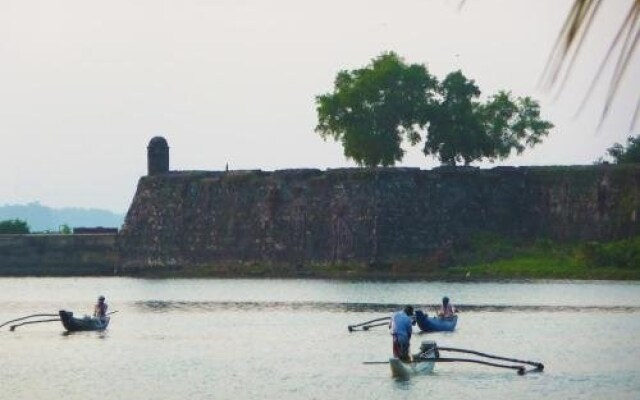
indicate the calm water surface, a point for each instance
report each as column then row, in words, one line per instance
column 288, row 339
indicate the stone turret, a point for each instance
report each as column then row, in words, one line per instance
column 157, row 156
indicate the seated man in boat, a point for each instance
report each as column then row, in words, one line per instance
column 100, row 309
column 401, row 327
column 447, row 310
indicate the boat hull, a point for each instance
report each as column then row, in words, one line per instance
column 422, row 363
column 428, row 324
column 73, row 324
column 405, row 370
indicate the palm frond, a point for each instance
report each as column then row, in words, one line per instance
column 632, row 24
column 604, row 62
column 570, row 40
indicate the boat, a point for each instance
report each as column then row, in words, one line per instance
column 435, row 324
column 86, row 323
column 419, row 366
column 424, row 362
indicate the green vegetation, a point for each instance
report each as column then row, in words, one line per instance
column 373, row 110
column 14, row 226
column 623, row 253
column 626, row 155
column 463, row 129
column 485, row 257
column 491, row 257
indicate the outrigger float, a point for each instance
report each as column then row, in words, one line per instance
column 424, row 362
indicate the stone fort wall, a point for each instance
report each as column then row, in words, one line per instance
column 58, row 255
column 372, row 216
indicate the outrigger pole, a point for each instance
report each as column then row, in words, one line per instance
column 520, row 369
column 539, row 366
column 351, row 327
column 28, row 316
column 13, row 327
column 366, row 327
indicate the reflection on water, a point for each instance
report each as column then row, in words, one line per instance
column 287, row 339
column 96, row 334
column 165, row 306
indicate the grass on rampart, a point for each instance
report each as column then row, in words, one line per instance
column 485, row 257
column 499, row 258
column 490, row 257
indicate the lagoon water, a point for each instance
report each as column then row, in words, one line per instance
column 288, row 339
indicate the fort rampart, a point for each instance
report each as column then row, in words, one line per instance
column 58, row 255
column 289, row 222
column 294, row 218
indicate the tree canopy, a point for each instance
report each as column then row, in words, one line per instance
column 626, row 155
column 13, row 226
column 372, row 110
column 463, row 128
column 455, row 133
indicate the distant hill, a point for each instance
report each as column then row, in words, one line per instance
column 42, row 218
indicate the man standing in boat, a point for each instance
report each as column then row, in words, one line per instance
column 446, row 310
column 401, row 328
column 100, row 309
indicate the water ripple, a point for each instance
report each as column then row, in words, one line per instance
column 166, row 306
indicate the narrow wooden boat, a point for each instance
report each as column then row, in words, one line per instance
column 86, row 323
column 435, row 324
column 420, row 364
column 423, row 362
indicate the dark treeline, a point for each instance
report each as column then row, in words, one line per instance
column 42, row 218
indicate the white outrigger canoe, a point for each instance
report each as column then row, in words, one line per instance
column 420, row 364
column 429, row 355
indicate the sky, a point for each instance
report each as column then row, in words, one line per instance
column 84, row 85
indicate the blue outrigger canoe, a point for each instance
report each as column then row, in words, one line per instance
column 437, row 324
column 73, row 324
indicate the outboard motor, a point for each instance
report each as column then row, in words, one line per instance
column 429, row 349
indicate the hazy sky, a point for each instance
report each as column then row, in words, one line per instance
column 85, row 84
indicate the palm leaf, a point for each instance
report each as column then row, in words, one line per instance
column 569, row 43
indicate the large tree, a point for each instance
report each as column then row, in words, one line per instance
column 372, row 110
column 464, row 129
column 626, row 155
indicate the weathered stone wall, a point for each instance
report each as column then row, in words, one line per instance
column 58, row 255
column 387, row 215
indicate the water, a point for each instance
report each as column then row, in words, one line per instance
column 288, row 339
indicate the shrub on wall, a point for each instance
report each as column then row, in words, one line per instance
column 622, row 253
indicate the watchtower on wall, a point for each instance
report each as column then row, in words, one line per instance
column 157, row 156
